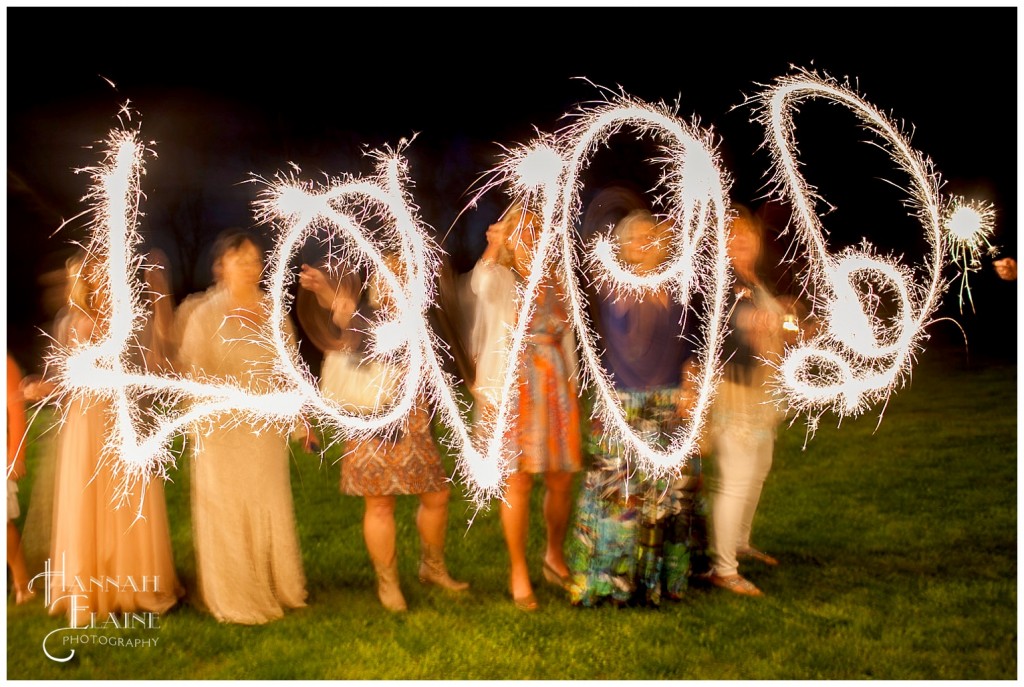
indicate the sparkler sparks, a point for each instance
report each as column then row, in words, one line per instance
column 969, row 226
column 696, row 189
column 546, row 175
column 874, row 309
column 862, row 353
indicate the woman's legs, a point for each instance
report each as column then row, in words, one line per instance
column 432, row 523
column 16, row 562
column 557, row 509
column 379, row 533
column 432, row 518
column 731, row 487
column 379, row 528
column 761, row 464
column 515, row 520
column 743, row 458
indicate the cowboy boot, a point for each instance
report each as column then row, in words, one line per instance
column 388, row 589
column 433, row 570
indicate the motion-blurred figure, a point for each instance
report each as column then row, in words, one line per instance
column 744, row 419
column 100, row 531
column 1006, row 268
column 635, row 537
column 380, row 469
column 546, row 437
column 247, row 546
column 17, row 434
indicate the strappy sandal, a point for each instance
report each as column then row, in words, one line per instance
column 755, row 555
column 526, row 603
column 552, row 576
column 737, row 584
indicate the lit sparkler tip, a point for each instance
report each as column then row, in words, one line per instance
column 970, row 222
column 293, row 199
column 539, row 167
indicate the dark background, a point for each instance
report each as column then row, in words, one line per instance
column 229, row 92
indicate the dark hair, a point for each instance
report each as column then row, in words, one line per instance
column 232, row 239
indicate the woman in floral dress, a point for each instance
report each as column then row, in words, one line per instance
column 635, row 537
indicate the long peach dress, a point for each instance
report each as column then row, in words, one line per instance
column 114, row 555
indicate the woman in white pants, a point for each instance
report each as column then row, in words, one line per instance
column 744, row 419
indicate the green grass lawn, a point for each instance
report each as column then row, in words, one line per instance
column 897, row 542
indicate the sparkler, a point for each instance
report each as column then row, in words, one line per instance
column 102, row 370
column 860, row 355
column 97, row 368
column 969, row 224
column 545, row 175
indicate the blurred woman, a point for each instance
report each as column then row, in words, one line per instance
column 379, row 469
column 633, row 536
column 744, row 419
column 546, row 437
column 97, row 533
column 17, row 435
column 247, row 547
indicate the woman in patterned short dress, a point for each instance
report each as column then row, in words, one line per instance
column 546, row 436
column 380, row 469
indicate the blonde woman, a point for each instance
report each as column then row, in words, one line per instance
column 546, row 437
column 96, row 534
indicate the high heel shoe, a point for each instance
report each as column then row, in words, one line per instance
column 553, row 577
column 526, row 603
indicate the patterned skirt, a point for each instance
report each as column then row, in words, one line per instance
column 634, row 538
column 410, row 464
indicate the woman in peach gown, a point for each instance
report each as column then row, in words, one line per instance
column 247, row 546
column 113, row 547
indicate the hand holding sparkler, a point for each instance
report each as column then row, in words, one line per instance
column 1006, row 268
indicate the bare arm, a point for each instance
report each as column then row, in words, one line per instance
column 341, row 298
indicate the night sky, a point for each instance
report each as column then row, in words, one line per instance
column 230, row 92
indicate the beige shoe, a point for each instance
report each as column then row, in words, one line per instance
column 434, row 571
column 553, row 577
column 737, row 584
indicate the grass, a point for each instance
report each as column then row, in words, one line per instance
column 898, row 555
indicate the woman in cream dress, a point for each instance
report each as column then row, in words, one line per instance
column 247, row 548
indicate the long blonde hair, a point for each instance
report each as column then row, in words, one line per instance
column 79, row 290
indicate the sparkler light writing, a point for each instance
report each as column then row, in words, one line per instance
column 859, row 356
column 856, row 360
column 696, row 188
